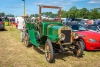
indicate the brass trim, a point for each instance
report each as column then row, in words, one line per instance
column 61, row 35
column 59, row 32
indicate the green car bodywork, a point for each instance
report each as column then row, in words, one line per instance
column 48, row 30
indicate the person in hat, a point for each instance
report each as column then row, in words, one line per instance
column 21, row 26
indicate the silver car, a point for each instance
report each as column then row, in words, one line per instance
column 2, row 26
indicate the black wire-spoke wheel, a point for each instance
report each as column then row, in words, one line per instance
column 78, row 49
column 26, row 40
column 49, row 54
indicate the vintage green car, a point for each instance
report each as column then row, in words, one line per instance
column 53, row 34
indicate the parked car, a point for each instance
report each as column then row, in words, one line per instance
column 90, row 39
column 78, row 21
column 2, row 26
column 55, row 36
column 94, row 27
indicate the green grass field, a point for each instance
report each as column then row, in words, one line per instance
column 13, row 53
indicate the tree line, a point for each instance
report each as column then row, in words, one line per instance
column 2, row 14
column 73, row 12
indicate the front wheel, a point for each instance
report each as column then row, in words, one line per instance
column 78, row 49
column 49, row 54
column 26, row 40
column 84, row 46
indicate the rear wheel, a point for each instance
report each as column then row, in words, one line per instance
column 78, row 49
column 49, row 54
column 26, row 40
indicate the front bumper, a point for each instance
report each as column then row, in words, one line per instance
column 92, row 45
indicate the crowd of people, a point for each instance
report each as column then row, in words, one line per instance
column 89, row 22
column 83, row 21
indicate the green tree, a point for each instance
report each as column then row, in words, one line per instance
column 78, row 14
column 48, row 14
column 72, row 12
column 32, row 15
column 36, row 15
column 84, row 13
column 64, row 13
column 10, row 15
column 2, row 14
column 94, row 14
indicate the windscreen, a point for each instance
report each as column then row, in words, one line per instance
column 93, row 28
column 78, row 28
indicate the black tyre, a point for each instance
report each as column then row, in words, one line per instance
column 49, row 54
column 78, row 49
column 3, row 29
column 84, row 47
column 26, row 40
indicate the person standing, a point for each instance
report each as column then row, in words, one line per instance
column 96, row 22
column 92, row 22
column 88, row 22
column 21, row 24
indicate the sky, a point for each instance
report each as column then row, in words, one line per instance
column 16, row 7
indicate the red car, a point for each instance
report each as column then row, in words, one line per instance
column 2, row 25
column 90, row 39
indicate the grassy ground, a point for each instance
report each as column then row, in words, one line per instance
column 14, row 54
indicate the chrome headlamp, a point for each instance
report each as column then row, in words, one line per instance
column 61, row 37
column 75, row 35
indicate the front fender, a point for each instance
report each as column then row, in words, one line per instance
column 32, row 36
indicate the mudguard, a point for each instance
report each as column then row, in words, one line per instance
column 32, row 37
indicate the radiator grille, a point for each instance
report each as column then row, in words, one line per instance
column 67, row 34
